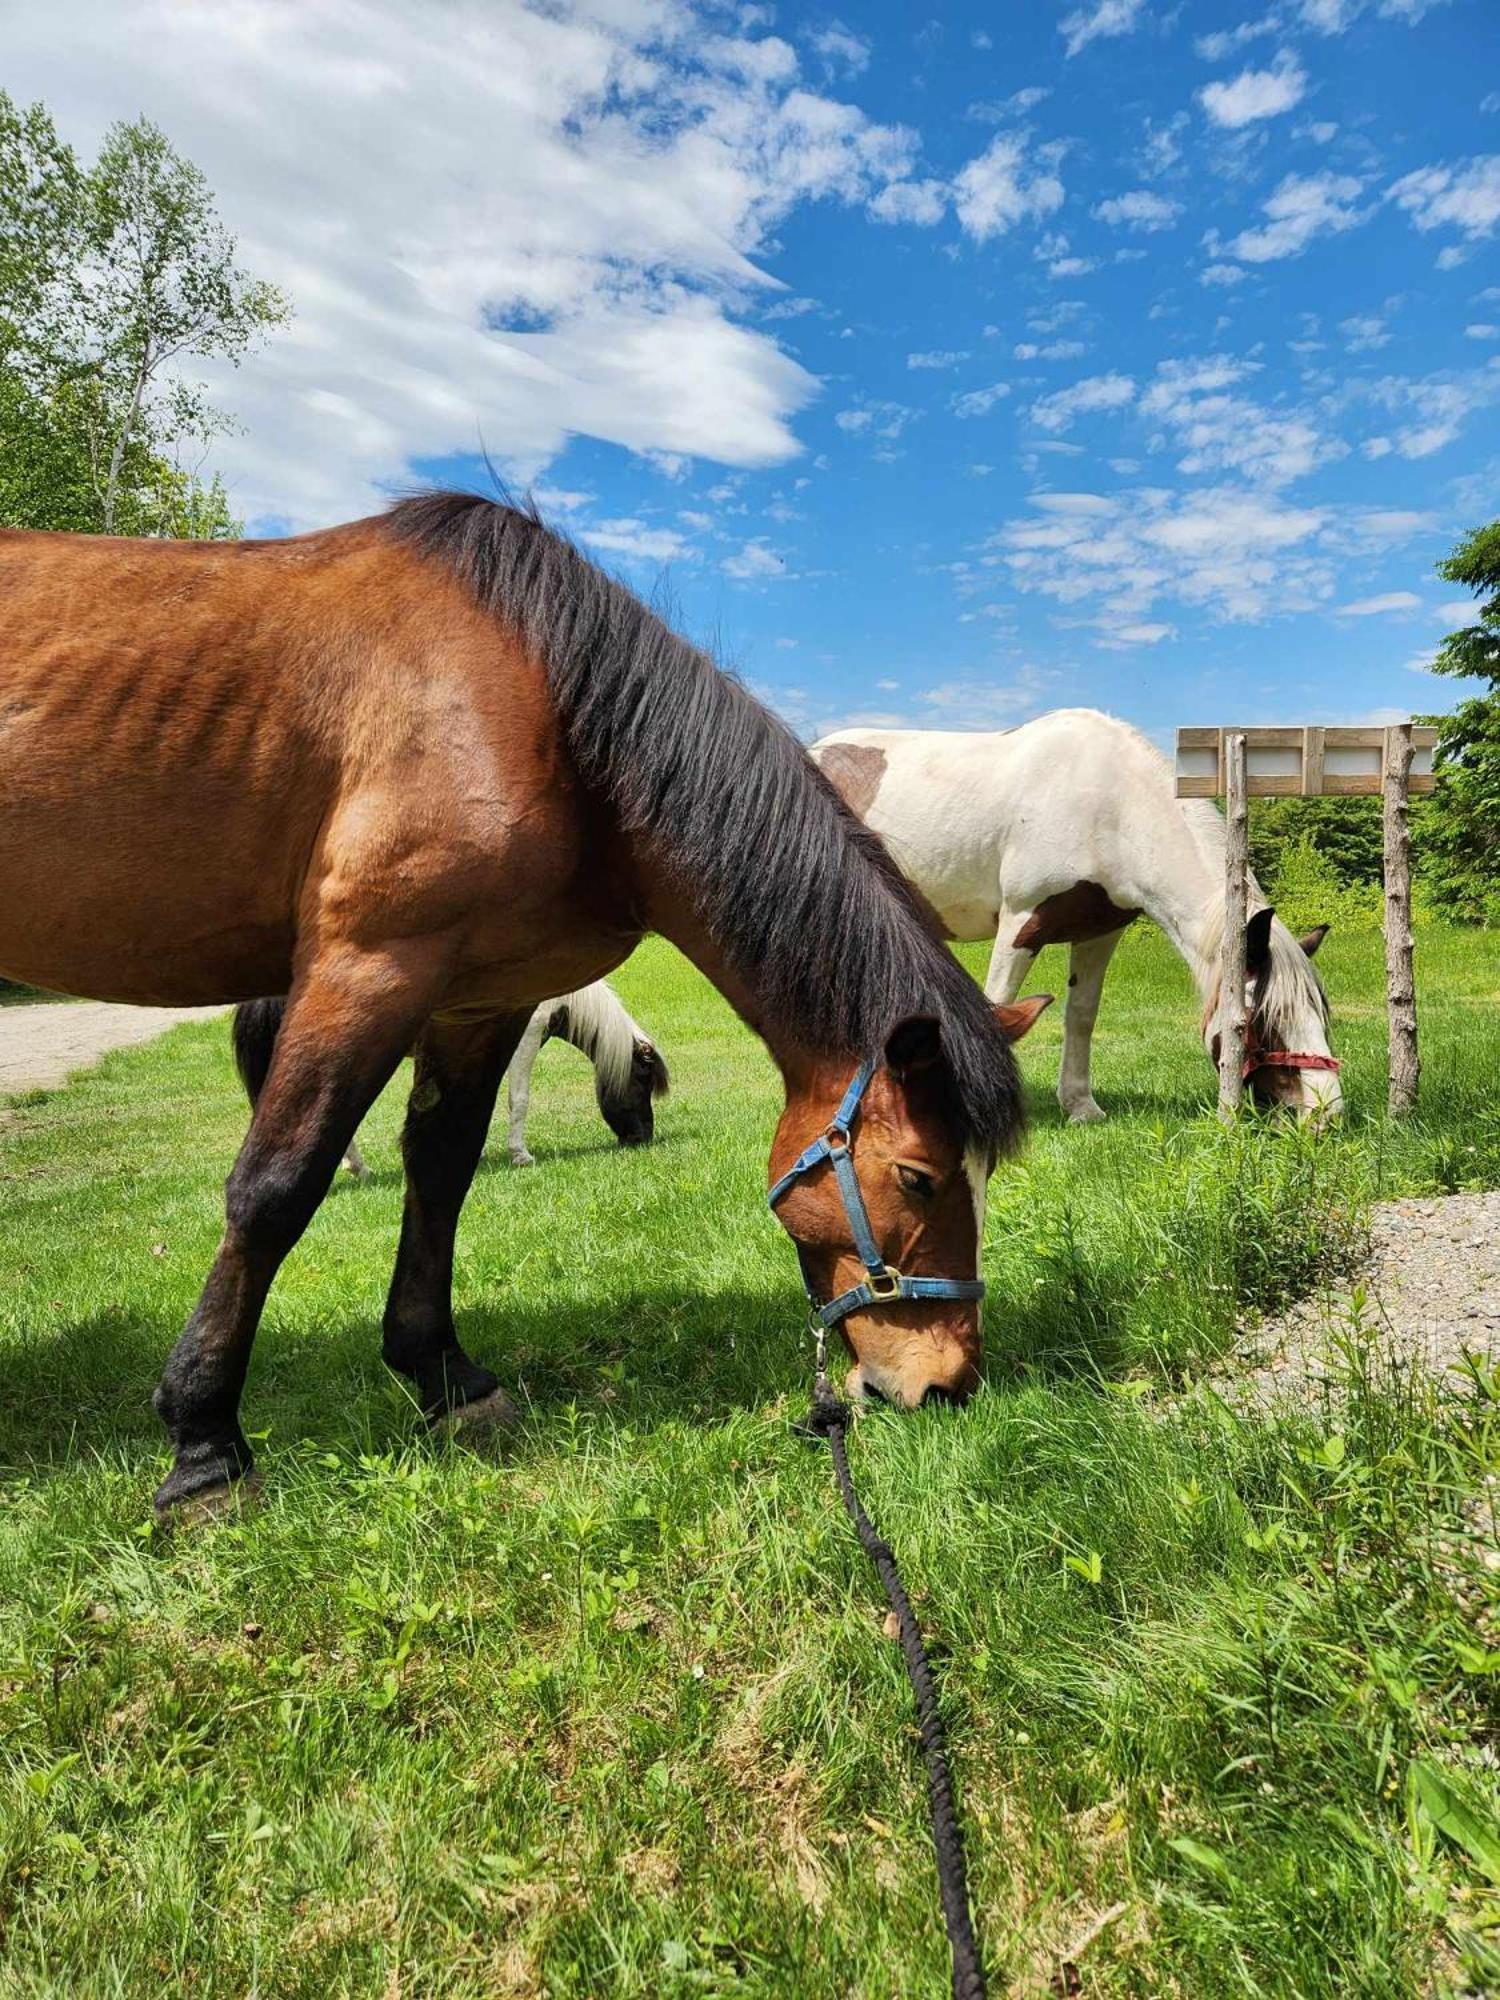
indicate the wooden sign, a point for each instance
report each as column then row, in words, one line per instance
column 1294, row 763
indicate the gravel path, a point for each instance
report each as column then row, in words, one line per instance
column 42, row 1045
column 1433, row 1292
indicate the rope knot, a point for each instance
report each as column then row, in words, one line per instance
column 828, row 1413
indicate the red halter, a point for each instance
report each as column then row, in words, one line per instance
column 1286, row 1059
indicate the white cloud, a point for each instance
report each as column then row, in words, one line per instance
column 1379, row 607
column 876, row 418
column 1302, row 207
column 844, row 53
column 756, row 562
column 938, row 357
column 535, row 222
column 1237, row 556
column 636, row 541
column 1225, row 41
column 1052, row 350
column 1331, row 17
column 1255, row 93
column 979, row 402
column 988, row 704
column 1218, row 430
column 1482, row 330
column 1465, row 198
column 1222, row 274
column 1094, row 392
column 1105, row 17
column 921, row 202
column 1435, row 407
column 1377, row 447
column 997, row 189
column 1364, row 332
column 1140, row 209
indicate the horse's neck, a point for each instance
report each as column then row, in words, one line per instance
column 1180, row 858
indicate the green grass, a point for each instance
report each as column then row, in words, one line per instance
column 615, row 1714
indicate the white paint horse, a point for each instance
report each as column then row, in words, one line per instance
column 1063, row 832
column 629, row 1073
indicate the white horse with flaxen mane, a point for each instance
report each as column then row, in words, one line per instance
column 1064, row 831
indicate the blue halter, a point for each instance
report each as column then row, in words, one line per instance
column 883, row 1286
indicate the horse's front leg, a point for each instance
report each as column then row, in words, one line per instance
column 518, row 1087
column 1087, row 966
column 458, row 1072
column 348, row 1022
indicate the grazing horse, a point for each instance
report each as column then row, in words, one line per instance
column 629, row 1073
column 420, row 773
column 1063, row 832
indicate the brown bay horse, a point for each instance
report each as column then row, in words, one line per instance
column 418, row 774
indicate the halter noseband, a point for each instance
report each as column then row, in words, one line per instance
column 884, row 1285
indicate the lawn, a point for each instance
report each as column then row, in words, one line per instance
column 615, row 1713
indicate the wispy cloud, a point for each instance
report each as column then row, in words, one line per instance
column 1141, row 209
column 1095, row 392
column 979, row 402
column 1380, row 607
column 1104, row 18
column 1465, row 198
column 1304, row 206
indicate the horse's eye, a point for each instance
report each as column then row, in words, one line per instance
column 916, row 1182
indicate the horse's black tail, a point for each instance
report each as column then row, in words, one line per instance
column 257, row 1023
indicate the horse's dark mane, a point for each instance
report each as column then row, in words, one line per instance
column 806, row 905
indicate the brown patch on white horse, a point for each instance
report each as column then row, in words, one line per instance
column 1073, row 916
column 855, row 771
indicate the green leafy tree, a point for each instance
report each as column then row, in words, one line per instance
column 1458, row 831
column 113, row 280
column 1345, row 833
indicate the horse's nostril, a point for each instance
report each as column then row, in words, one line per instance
column 936, row 1393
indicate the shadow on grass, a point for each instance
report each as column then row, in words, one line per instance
column 649, row 1357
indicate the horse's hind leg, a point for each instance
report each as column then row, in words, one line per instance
column 1009, row 962
column 458, row 1072
column 1087, row 965
column 345, row 1030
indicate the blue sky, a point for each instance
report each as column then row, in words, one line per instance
column 944, row 368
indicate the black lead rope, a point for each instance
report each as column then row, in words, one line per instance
column 829, row 1417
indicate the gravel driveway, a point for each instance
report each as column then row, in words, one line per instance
column 43, row 1045
column 1433, row 1293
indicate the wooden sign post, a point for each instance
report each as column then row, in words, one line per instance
column 1233, row 1024
column 1241, row 764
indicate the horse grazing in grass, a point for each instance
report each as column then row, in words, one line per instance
column 629, row 1073
column 420, row 773
column 1064, row 831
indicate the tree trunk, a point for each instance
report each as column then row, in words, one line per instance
column 117, row 456
column 1400, row 984
column 1232, row 952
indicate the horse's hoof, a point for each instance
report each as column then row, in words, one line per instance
column 1088, row 1114
column 523, row 1159
column 209, row 1504
column 492, row 1413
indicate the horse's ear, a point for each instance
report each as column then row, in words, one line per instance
column 1019, row 1017
column 1258, row 942
column 915, row 1043
column 1312, row 939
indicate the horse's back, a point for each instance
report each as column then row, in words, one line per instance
column 986, row 819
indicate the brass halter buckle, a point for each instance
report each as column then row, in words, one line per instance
column 885, row 1285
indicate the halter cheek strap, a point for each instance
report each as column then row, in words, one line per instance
column 883, row 1284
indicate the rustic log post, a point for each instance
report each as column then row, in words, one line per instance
column 1400, row 985
column 1232, row 953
